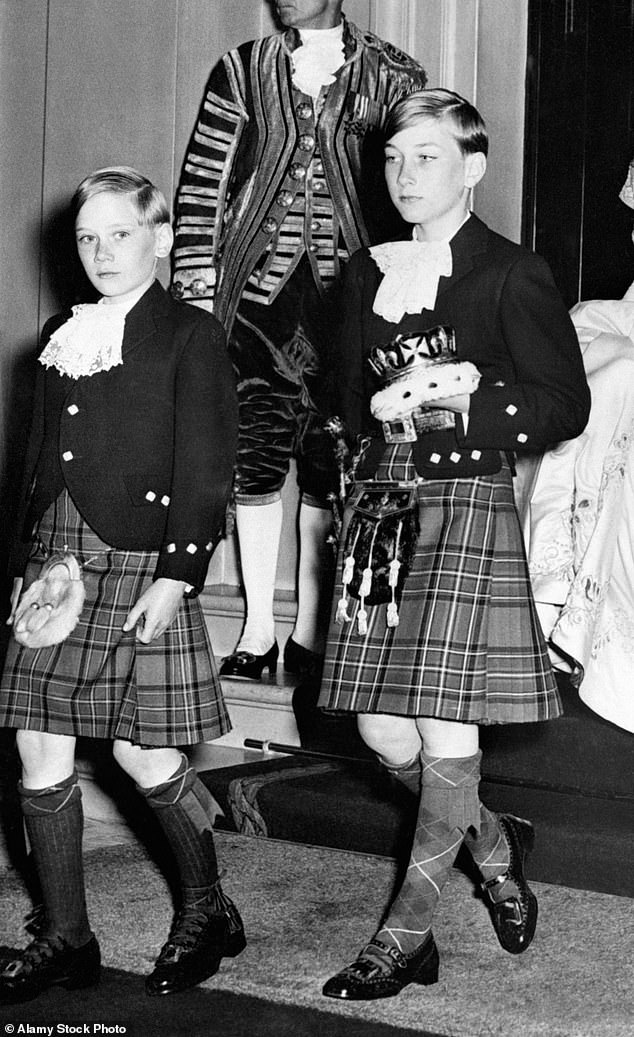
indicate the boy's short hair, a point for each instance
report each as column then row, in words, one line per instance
column 469, row 128
column 150, row 202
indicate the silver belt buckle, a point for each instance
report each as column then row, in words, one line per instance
column 401, row 431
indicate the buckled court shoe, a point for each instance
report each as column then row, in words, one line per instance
column 382, row 971
column 515, row 917
column 49, row 961
column 197, row 943
column 247, row 666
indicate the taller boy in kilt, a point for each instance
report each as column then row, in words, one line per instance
column 466, row 647
column 128, row 472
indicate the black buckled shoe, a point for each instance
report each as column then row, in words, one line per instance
column 198, row 941
column 49, row 961
column 301, row 661
column 514, row 917
column 382, row 971
column 247, row 666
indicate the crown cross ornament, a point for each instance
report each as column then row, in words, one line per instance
column 405, row 352
column 415, row 370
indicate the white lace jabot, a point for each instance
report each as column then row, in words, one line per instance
column 318, row 58
column 411, row 271
column 90, row 341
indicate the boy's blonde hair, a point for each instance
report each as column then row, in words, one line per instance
column 149, row 201
column 468, row 125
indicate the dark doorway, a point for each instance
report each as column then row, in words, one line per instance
column 579, row 142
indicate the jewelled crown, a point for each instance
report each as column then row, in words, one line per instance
column 405, row 352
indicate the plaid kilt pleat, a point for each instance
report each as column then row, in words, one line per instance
column 101, row 682
column 468, row 646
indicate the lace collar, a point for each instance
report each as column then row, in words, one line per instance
column 412, row 270
column 91, row 339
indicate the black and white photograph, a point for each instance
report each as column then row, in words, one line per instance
column 317, row 539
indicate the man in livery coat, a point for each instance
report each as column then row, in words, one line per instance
column 282, row 182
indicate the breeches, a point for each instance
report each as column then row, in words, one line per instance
column 280, row 353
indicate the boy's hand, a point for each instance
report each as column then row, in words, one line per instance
column 155, row 609
column 459, row 404
column 15, row 597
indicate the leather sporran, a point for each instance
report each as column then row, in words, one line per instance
column 379, row 547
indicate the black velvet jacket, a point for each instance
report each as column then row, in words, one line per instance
column 146, row 449
column 510, row 321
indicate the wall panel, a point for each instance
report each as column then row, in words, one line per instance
column 23, row 34
column 110, row 96
column 501, row 76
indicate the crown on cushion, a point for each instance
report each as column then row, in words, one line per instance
column 406, row 352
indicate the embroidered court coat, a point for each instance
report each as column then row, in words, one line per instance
column 259, row 143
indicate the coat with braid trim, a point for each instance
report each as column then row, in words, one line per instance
column 252, row 147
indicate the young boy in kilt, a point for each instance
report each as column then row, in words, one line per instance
column 128, row 471
column 464, row 647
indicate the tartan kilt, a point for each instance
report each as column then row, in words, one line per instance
column 100, row 682
column 468, row 646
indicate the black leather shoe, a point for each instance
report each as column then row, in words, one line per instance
column 49, row 961
column 382, row 971
column 515, row 918
column 197, row 943
column 300, row 660
column 247, row 666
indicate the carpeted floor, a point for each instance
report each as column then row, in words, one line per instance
column 306, row 911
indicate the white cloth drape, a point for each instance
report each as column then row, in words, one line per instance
column 579, row 521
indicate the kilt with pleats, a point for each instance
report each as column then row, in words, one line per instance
column 468, row 646
column 100, row 682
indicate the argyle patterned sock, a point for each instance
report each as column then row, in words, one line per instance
column 449, row 805
column 491, row 853
column 54, row 823
column 184, row 810
column 489, row 847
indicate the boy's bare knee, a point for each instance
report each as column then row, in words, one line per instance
column 395, row 739
column 46, row 758
column 147, row 767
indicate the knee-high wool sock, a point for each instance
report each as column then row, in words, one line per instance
column 490, row 850
column 54, row 823
column 449, row 806
column 488, row 847
column 184, row 810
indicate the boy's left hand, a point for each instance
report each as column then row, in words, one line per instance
column 155, row 609
column 459, row 404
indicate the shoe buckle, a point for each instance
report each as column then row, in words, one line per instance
column 13, row 969
column 392, row 952
column 514, row 908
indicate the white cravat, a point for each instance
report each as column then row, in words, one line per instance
column 90, row 341
column 411, row 272
column 318, row 58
